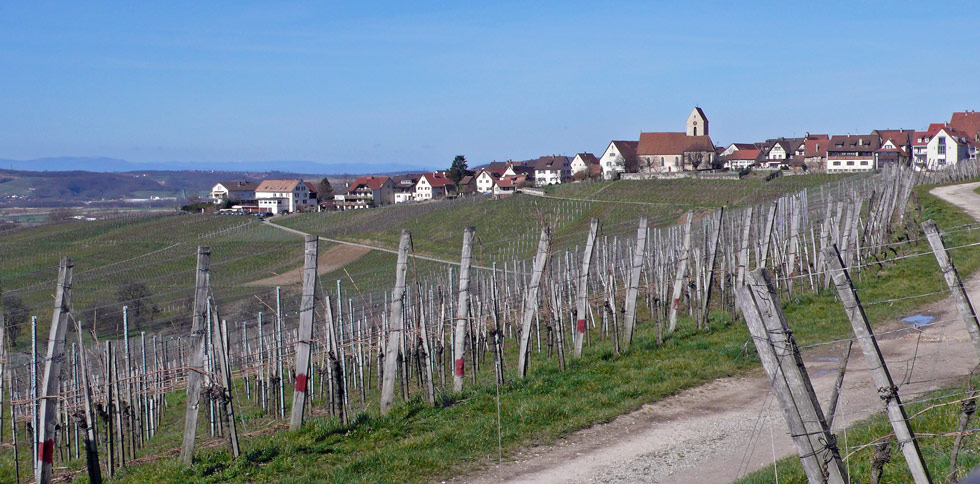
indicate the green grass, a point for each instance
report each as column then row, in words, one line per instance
column 159, row 251
column 938, row 414
column 420, row 444
column 509, row 228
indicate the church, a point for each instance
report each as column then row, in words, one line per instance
column 689, row 150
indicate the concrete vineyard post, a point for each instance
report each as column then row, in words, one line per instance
column 582, row 294
column 639, row 252
column 531, row 300
column 462, row 310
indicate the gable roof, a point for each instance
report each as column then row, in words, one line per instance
column 900, row 137
column 277, row 185
column 370, row 181
column 239, row 186
column 698, row 109
column 511, row 181
column 743, row 146
column 746, row 154
column 437, row 180
column 672, row 143
column 552, row 162
column 627, row 149
column 815, row 147
column 588, row 158
column 967, row 122
column 861, row 143
column 310, row 186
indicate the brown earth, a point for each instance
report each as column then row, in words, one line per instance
column 334, row 258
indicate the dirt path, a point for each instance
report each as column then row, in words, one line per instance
column 328, row 261
column 726, row 428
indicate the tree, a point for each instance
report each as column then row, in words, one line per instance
column 323, row 189
column 458, row 169
column 136, row 296
column 15, row 317
column 62, row 214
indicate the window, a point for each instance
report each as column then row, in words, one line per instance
column 864, row 162
column 850, row 163
column 661, row 161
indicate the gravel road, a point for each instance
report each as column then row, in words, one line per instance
column 726, row 428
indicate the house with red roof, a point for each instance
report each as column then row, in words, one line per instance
column 852, row 153
column 664, row 152
column 486, row 179
column 551, row 170
column 815, row 151
column 968, row 122
column 946, row 148
column 584, row 162
column 619, row 157
column 508, row 185
column 367, row 191
column 741, row 159
column 433, row 186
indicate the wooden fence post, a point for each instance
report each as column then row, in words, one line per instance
column 531, row 300
column 395, row 324
column 582, row 295
column 876, row 364
column 226, row 404
column 196, row 368
column 462, row 310
column 782, row 361
column 304, row 337
column 639, row 253
column 952, row 277
column 52, row 374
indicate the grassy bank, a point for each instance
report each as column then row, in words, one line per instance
column 416, row 443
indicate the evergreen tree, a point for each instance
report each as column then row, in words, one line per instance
column 458, row 169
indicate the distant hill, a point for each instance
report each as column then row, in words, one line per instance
column 114, row 165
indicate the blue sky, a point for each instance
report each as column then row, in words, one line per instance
column 415, row 83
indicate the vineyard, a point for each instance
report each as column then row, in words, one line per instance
column 563, row 311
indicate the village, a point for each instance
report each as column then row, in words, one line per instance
column 655, row 155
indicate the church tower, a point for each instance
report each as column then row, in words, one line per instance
column 697, row 123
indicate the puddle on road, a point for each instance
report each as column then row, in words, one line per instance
column 828, row 358
column 919, row 320
column 823, row 372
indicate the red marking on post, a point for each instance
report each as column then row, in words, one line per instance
column 301, row 383
column 676, row 301
column 791, row 274
column 45, row 451
column 460, row 369
column 580, row 326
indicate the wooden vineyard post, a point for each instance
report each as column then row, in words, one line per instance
column 876, row 364
column 952, row 277
column 91, row 446
column 582, row 296
column 304, row 339
column 462, row 310
column 531, row 300
column 783, row 364
column 634, row 282
column 226, row 403
column 197, row 353
column 675, row 298
column 48, row 417
column 395, row 322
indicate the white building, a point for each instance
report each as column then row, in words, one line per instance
column 485, row 180
column 237, row 191
column 584, row 162
column 433, row 185
column 853, row 153
column 947, row 148
column 283, row 196
column 551, row 170
column 619, row 157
